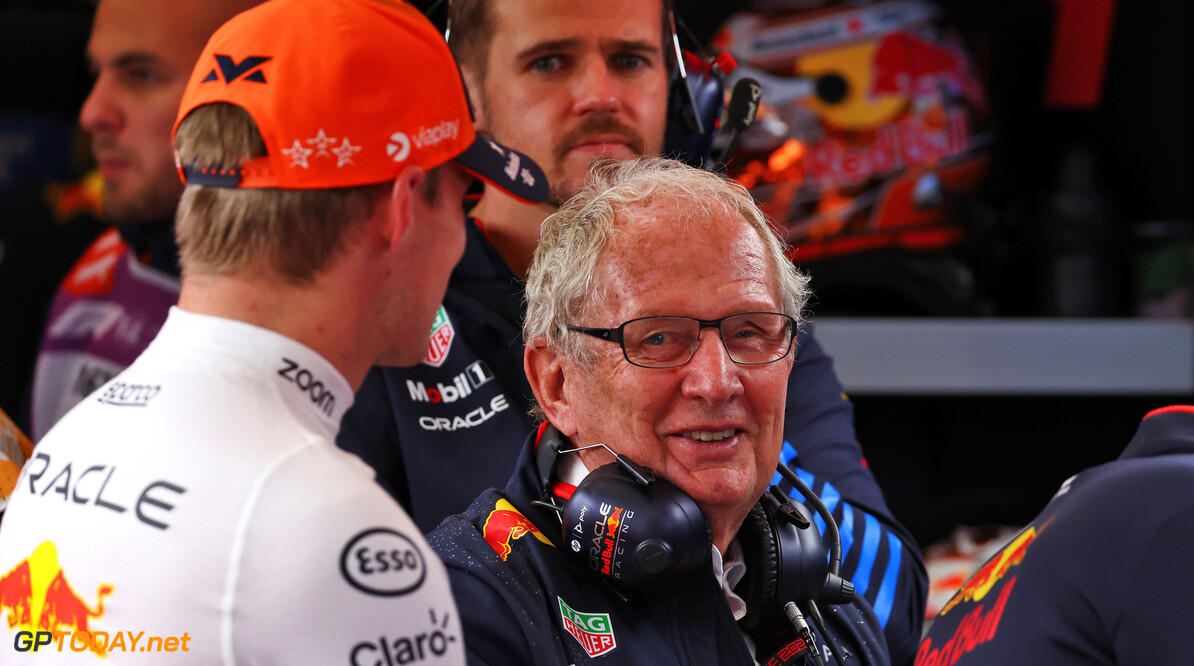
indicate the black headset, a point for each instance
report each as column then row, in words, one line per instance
column 636, row 530
column 696, row 99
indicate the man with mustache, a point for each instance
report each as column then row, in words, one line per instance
column 116, row 297
column 567, row 82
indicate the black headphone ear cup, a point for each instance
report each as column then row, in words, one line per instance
column 634, row 535
column 759, row 588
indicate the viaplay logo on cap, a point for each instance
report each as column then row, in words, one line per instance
column 399, row 146
column 442, row 335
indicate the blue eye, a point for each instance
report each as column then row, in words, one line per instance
column 547, row 64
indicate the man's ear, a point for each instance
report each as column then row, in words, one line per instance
column 475, row 86
column 401, row 204
column 547, row 373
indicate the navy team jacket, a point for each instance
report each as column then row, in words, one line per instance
column 522, row 602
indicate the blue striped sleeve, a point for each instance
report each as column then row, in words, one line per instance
column 887, row 589
column 866, row 558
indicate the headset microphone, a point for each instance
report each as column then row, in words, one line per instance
column 740, row 115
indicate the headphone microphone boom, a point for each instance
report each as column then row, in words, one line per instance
column 740, row 115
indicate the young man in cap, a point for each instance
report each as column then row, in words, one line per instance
column 568, row 81
column 198, row 496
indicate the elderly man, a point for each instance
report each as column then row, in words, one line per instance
column 196, row 504
column 568, row 81
column 660, row 325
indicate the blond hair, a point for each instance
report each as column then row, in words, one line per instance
column 225, row 230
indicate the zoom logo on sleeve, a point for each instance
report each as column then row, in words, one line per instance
column 462, row 385
column 301, row 377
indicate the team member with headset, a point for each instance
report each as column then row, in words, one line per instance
column 567, row 81
column 199, row 495
column 660, row 326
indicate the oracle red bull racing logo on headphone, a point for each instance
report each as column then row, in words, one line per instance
column 442, row 334
column 593, row 631
column 504, row 525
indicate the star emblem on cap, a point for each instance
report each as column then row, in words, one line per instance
column 527, row 178
column 344, row 153
column 298, row 154
column 321, row 142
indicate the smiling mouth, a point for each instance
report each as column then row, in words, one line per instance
column 710, row 435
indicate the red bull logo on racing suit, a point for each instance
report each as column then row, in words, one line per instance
column 36, row 596
column 504, row 525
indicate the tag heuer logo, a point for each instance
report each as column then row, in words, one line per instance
column 592, row 630
column 441, row 339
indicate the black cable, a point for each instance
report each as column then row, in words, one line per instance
column 815, row 614
column 835, row 538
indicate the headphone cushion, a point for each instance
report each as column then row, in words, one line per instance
column 760, row 586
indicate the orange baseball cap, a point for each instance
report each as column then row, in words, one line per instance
column 345, row 93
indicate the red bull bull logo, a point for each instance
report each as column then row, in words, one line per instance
column 910, row 66
column 504, row 525
column 610, row 542
column 985, row 578
column 36, row 596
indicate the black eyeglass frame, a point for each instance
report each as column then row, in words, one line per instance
column 618, row 335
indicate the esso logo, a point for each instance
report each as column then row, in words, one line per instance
column 383, row 562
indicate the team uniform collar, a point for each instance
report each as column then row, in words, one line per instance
column 1164, row 431
column 311, row 386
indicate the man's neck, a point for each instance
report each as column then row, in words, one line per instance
column 512, row 226
column 316, row 315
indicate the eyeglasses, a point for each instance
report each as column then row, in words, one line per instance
column 751, row 338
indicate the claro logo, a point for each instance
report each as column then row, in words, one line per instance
column 432, row 644
column 302, row 378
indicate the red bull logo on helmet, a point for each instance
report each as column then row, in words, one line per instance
column 504, row 525
column 36, row 596
column 993, row 571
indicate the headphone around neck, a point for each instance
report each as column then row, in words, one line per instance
column 636, row 530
